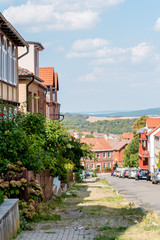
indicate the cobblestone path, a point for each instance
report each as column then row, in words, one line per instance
column 78, row 218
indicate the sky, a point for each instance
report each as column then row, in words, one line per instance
column 106, row 52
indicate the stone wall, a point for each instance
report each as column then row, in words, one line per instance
column 9, row 218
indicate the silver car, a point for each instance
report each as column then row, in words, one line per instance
column 156, row 176
column 132, row 173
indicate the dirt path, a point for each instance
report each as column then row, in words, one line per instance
column 92, row 209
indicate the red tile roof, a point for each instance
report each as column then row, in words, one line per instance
column 157, row 134
column 127, row 135
column 47, row 74
column 99, row 144
column 152, row 122
column 23, row 71
column 117, row 144
column 149, row 133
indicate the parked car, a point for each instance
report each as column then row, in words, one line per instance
column 132, row 173
column 121, row 174
column 114, row 173
column 82, row 175
column 143, row 174
column 126, row 173
column 89, row 173
column 117, row 173
column 156, row 176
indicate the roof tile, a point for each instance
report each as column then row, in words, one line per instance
column 98, row 143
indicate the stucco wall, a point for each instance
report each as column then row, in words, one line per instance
column 9, row 218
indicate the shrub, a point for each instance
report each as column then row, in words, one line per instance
column 1, row 197
column 107, row 169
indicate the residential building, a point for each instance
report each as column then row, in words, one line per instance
column 31, row 60
column 10, row 40
column 156, row 147
column 51, row 82
column 147, row 144
column 103, row 152
column 118, row 146
column 127, row 136
column 31, row 92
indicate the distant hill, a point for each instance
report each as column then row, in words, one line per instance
column 116, row 126
column 137, row 113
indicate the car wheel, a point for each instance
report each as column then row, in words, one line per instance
column 153, row 182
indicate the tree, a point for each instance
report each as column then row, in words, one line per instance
column 130, row 158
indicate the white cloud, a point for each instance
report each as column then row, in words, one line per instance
column 58, row 14
column 95, row 76
column 140, row 52
column 101, row 52
column 95, row 48
column 89, row 44
column 157, row 25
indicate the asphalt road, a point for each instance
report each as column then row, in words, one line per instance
column 142, row 192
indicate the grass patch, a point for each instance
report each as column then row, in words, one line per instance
column 110, row 233
column 45, row 217
column 69, row 195
column 151, row 228
column 50, row 232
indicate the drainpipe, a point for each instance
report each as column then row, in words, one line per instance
column 27, row 92
column 24, row 53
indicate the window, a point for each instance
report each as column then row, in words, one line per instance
column 98, row 155
column 48, row 93
column 8, row 61
column 14, row 66
column 87, row 166
column 99, row 166
column 0, row 56
column 109, row 164
column 104, row 165
column 92, row 166
column 4, row 59
column 35, row 103
column 109, row 154
column 104, row 155
column 53, row 95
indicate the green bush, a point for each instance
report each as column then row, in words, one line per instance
column 1, row 197
column 107, row 169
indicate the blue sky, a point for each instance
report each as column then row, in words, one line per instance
column 106, row 52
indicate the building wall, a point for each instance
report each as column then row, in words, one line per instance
column 157, row 150
column 118, row 157
column 36, row 97
column 22, row 94
column 28, row 61
column 101, row 161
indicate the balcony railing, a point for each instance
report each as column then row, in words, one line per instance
column 143, row 136
column 143, row 153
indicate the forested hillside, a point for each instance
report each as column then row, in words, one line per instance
column 117, row 126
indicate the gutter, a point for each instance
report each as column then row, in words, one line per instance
column 27, row 92
column 24, row 53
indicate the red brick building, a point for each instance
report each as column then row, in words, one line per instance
column 51, row 82
column 118, row 146
column 103, row 152
column 146, row 144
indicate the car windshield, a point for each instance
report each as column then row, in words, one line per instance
column 144, row 171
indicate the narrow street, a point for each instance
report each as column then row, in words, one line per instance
column 93, row 210
column 143, row 192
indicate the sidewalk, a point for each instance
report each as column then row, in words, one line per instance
column 59, row 234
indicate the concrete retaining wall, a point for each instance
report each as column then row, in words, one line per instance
column 9, row 218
